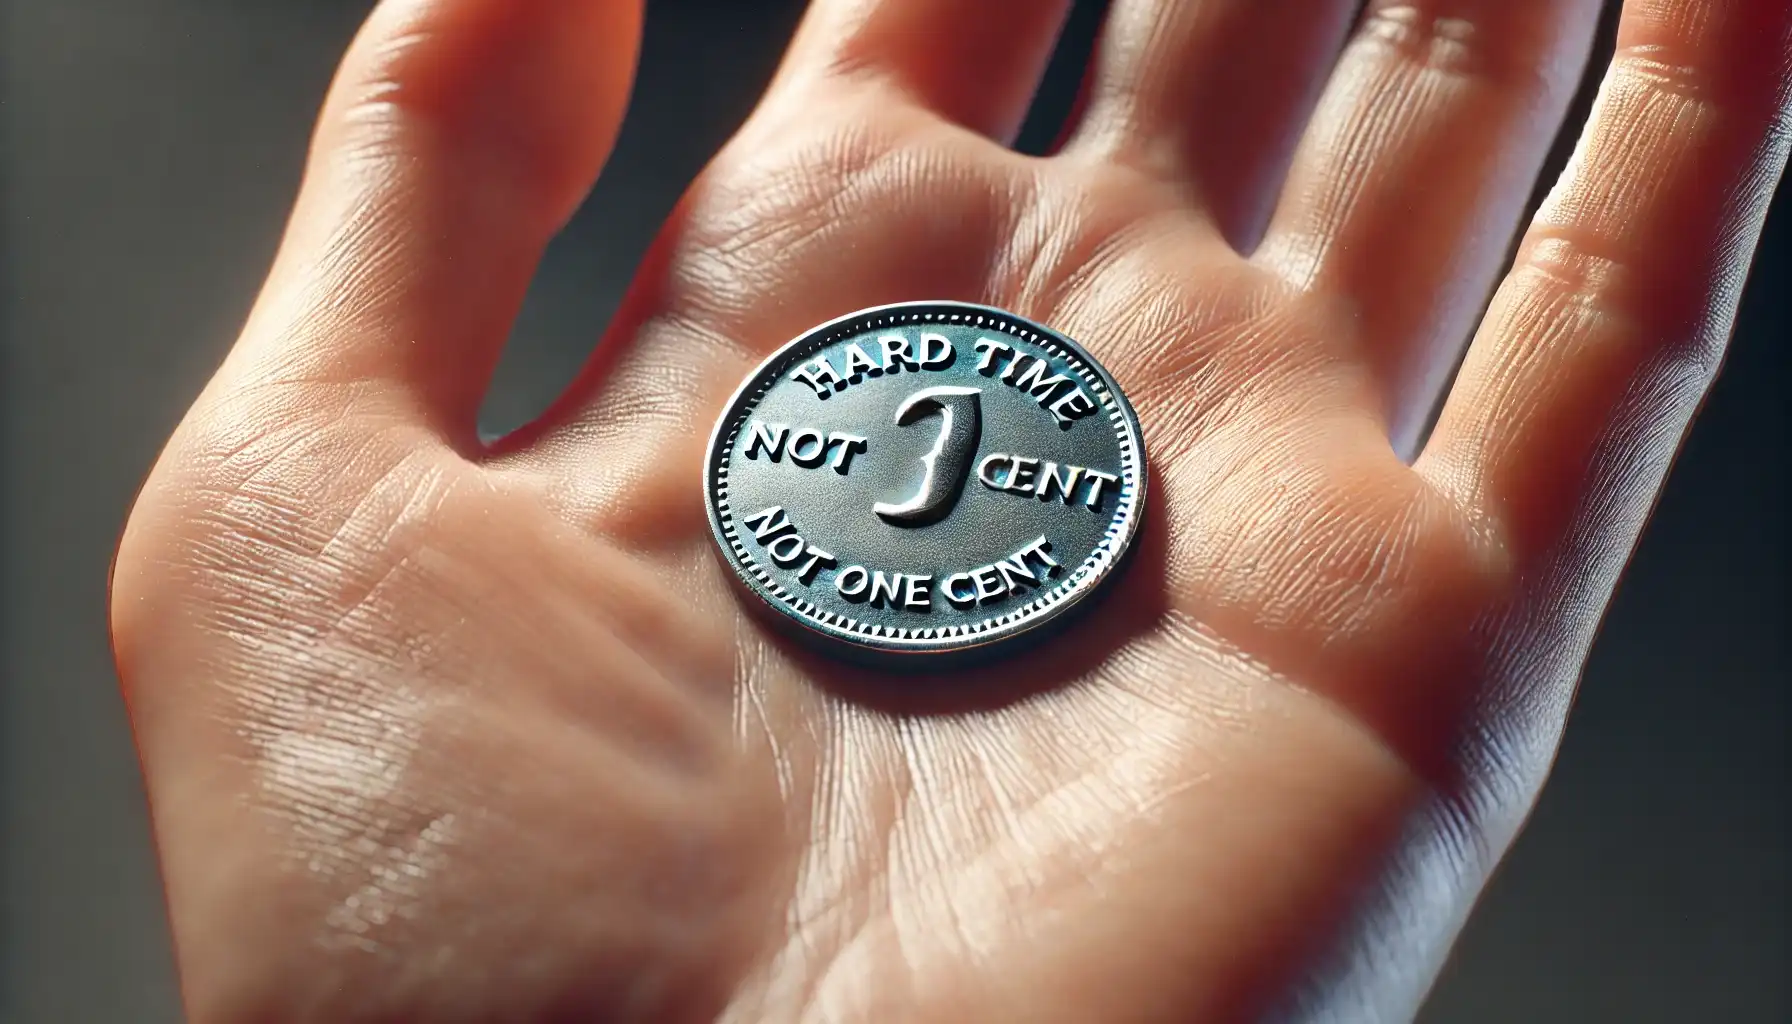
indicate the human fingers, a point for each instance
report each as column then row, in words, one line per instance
column 1602, row 340
column 855, row 182
column 1209, row 94
column 457, row 137
column 976, row 65
column 1410, row 183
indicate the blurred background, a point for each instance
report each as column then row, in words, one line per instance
column 148, row 150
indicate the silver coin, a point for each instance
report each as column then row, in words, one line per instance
column 926, row 479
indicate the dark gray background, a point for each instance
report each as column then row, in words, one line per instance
column 148, row 149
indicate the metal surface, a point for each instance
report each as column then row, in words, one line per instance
column 926, row 478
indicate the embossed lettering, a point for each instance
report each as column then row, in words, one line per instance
column 818, row 559
column 771, row 522
column 886, row 588
column 1038, row 550
column 786, row 550
column 919, row 595
column 766, row 437
column 1033, row 381
column 992, row 350
column 773, row 529
column 1095, row 482
column 808, row 448
column 858, row 364
column 990, row 464
column 1000, row 471
column 1015, row 570
column 844, row 445
column 896, row 354
column 937, row 352
column 987, row 584
column 1020, row 476
column 1072, row 407
column 819, row 374
column 1050, row 479
column 1030, row 374
column 882, row 589
column 959, row 590
column 852, row 581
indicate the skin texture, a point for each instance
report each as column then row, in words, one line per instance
column 437, row 731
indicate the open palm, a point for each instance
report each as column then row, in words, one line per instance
column 441, row 730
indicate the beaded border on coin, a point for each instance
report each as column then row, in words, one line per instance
column 850, row 636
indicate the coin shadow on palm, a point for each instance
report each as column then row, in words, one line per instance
column 1133, row 605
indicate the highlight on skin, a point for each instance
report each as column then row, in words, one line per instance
column 434, row 729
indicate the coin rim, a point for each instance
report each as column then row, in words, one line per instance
column 1096, row 568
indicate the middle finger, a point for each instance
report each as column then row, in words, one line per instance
column 1210, row 95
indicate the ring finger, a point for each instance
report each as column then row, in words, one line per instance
column 1410, row 183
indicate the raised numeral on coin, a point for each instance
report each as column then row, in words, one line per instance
column 948, row 462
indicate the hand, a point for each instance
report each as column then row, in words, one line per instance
column 442, row 731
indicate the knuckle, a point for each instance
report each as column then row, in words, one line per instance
column 1460, row 38
column 1578, row 266
column 1664, row 68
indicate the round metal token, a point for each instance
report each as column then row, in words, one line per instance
column 926, row 478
